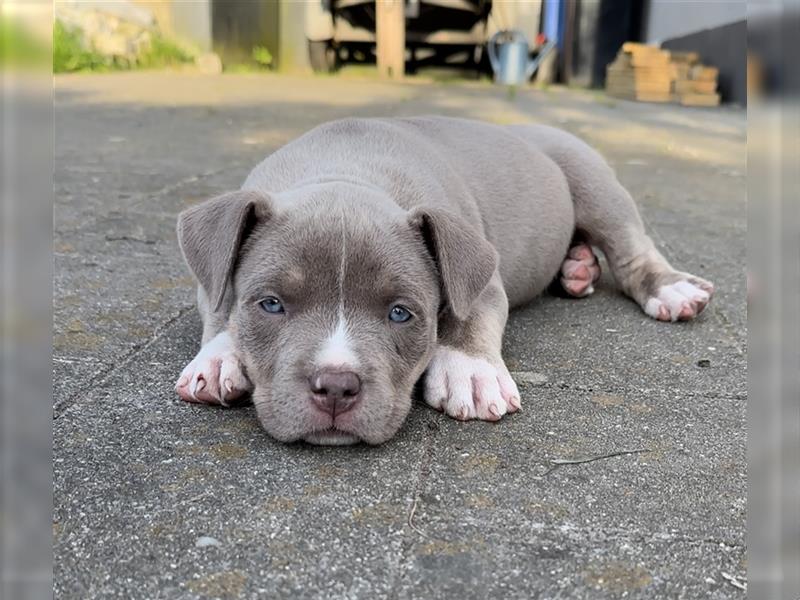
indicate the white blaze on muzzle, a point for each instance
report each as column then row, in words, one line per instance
column 337, row 350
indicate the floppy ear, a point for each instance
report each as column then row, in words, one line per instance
column 466, row 261
column 211, row 233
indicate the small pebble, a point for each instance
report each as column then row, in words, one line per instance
column 529, row 377
column 703, row 362
column 204, row 541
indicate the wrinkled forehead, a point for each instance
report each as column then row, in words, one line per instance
column 335, row 251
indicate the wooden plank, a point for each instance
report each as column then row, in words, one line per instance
column 654, row 77
column 664, row 83
column 684, row 57
column 643, row 85
column 634, row 46
column 699, row 99
column 692, row 86
column 629, row 60
column 630, row 86
column 665, row 70
column 703, row 72
column 645, row 60
column 637, row 48
column 619, row 79
column 653, row 97
column 390, row 34
column 703, row 86
column 680, row 70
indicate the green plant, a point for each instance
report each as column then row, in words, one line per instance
column 262, row 56
column 162, row 52
column 69, row 54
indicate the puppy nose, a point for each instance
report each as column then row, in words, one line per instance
column 335, row 392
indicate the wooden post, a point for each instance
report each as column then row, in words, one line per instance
column 390, row 33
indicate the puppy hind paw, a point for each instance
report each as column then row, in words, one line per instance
column 682, row 300
column 579, row 271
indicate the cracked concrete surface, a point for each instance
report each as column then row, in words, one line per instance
column 446, row 509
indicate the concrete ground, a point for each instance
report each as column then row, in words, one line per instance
column 156, row 498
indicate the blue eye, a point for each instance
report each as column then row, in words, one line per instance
column 399, row 314
column 272, row 305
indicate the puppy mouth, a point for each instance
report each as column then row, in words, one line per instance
column 331, row 437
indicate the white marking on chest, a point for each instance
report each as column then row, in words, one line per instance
column 337, row 350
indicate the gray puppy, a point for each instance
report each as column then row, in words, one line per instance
column 369, row 251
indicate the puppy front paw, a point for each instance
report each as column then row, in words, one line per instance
column 215, row 375
column 468, row 387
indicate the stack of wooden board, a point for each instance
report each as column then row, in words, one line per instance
column 694, row 84
column 650, row 74
column 640, row 73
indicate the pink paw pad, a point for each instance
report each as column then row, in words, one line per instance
column 579, row 271
column 215, row 375
column 679, row 301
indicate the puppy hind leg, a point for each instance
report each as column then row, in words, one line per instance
column 643, row 273
column 607, row 215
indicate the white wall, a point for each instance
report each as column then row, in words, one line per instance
column 193, row 20
column 674, row 18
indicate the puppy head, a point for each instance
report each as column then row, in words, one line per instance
column 335, row 298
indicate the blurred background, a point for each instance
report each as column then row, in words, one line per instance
column 560, row 41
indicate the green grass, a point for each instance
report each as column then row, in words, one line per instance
column 262, row 56
column 69, row 54
column 163, row 53
column 260, row 60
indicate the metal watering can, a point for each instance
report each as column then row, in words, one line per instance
column 512, row 65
